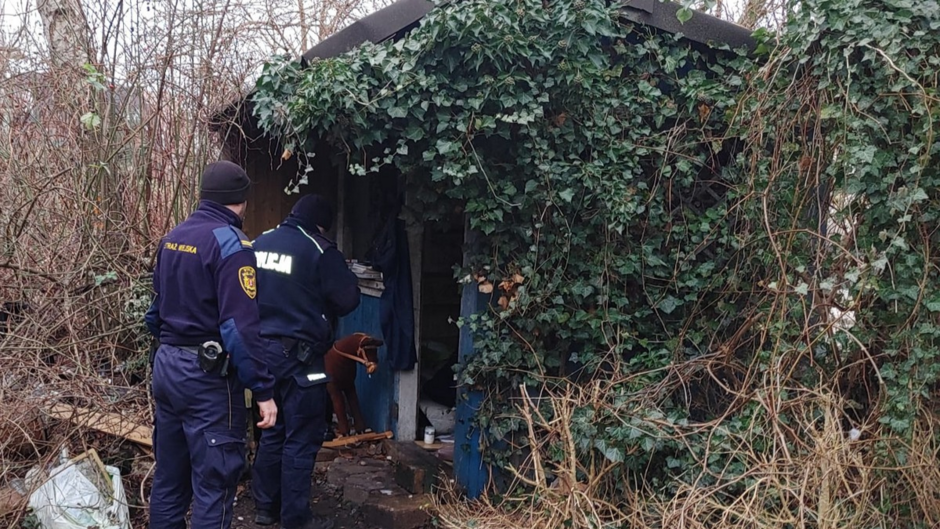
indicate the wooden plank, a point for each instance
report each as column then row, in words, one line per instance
column 119, row 426
column 408, row 383
column 109, row 423
column 116, row 425
column 341, row 225
column 372, row 284
column 358, row 438
column 429, row 447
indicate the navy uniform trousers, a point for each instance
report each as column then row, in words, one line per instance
column 283, row 468
column 198, row 440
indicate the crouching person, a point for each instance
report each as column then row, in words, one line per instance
column 304, row 285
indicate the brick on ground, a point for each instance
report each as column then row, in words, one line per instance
column 341, row 469
column 397, row 511
column 416, row 470
column 359, row 487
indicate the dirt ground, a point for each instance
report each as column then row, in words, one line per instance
column 327, row 501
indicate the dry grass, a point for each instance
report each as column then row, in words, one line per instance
column 810, row 474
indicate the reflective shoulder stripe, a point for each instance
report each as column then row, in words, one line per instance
column 229, row 241
column 311, row 238
column 263, row 233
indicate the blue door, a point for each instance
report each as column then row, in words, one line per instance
column 376, row 392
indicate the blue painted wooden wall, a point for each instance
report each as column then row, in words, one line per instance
column 470, row 472
column 376, row 393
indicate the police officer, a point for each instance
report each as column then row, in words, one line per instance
column 205, row 316
column 305, row 283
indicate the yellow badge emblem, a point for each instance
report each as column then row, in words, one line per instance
column 246, row 277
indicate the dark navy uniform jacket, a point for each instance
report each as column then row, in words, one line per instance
column 206, row 286
column 306, row 283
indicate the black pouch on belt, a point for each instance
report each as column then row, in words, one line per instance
column 211, row 358
column 304, row 353
column 154, row 345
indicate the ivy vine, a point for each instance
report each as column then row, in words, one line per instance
column 710, row 228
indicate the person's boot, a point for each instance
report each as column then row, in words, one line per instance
column 265, row 517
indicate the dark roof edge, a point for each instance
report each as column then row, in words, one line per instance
column 374, row 28
column 663, row 15
column 702, row 28
column 392, row 20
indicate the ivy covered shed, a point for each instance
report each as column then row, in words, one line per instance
column 496, row 150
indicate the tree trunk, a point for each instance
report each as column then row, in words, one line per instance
column 87, row 105
column 67, row 33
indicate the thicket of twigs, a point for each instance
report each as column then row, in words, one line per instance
column 103, row 132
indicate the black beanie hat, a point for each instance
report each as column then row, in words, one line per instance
column 224, row 182
column 312, row 211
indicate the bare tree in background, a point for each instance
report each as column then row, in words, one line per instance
column 67, row 33
column 103, row 131
column 748, row 13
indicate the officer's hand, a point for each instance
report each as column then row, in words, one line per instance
column 268, row 414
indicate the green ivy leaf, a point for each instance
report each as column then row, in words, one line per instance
column 668, row 304
column 445, row 147
column 684, row 15
column 91, row 120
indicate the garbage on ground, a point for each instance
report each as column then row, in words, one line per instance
column 442, row 418
column 77, row 494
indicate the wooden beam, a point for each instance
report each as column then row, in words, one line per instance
column 433, row 447
column 409, row 382
column 109, row 423
column 353, row 439
column 114, row 424
column 342, row 238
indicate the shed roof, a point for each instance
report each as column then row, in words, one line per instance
column 396, row 19
column 376, row 27
column 401, row 15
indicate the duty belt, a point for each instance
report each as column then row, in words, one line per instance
column 302, row 350
column 212, row 358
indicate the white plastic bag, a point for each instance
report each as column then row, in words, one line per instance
column 80, row 494
column 441, row 417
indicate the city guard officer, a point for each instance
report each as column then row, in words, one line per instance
column 205, row 315
column 305, row 284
